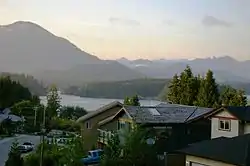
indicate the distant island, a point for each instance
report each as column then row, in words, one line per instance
column 145, row 88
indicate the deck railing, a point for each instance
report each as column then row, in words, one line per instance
column 104, row 136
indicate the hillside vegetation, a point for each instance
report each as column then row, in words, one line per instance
column 145, row 88
column 27, row 81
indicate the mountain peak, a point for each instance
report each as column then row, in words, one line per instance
column 21, row 24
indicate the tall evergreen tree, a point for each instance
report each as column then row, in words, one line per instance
column 53, row 102
column 232, row 97
column 173, row 94
column 188, row 89
column 208, row 94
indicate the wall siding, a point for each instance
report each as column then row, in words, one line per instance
column 215, row 132
column 205, row 161
column 91, row 135
column 247, row 128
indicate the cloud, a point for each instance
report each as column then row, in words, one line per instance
column 211, row 21
column 122, row 21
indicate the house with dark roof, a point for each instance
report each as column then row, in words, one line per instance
column 174, row 125
column 89, row 122
column 230, row 121
column 221, row 151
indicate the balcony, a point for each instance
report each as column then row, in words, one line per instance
column 104, row 136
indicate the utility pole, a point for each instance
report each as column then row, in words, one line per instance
column 35, row 116
column 43, row 133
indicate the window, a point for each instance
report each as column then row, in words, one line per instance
column 121, row 125
column 224, row 125
column 88, row 125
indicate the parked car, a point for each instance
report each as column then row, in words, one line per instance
column 94, row 157
column 29, row 145
column 23, row 149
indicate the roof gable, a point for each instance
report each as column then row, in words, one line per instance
column 99, row 111
column 121, row 112
column 238, row 112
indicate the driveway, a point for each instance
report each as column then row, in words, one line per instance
column 5, row 145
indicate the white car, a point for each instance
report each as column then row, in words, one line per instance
column 29, row 146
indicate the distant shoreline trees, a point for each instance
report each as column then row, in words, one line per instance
column 188, row 89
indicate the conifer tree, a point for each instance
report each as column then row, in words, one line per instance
column 173, row 94
column 188, row 87
column 208, row 94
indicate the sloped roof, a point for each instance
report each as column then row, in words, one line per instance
column 240, row 112
column 99, row 111
column 234, row 150
column 5, row 114
column 167, row 113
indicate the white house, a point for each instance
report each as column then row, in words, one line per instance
column 230, row 121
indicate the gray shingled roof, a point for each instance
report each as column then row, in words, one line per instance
column 167, row 113
column 235, row 150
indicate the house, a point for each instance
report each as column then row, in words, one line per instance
column 6, row 114
column 230, row 121
column 89, row 122
column 174, row 125
column 221, row 151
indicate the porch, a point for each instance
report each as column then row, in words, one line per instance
column 104, row 136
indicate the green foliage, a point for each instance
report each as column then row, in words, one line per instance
column 32, row 111
column 143, row 87
column 53, row 102
column 7, row 127
column 63, row 124
column 27, row 81
column 14, row 158
column 134, row 101
column 188, row 89
column 72, row 113
column 12, row 92
column 112, row 152
column 55, row 155
column 174, row 88
column 232, row 97
column 135, row 151
column 208, row 95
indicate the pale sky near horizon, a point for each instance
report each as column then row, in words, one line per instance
column 152, row 29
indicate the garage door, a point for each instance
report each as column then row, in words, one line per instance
column 197, row 164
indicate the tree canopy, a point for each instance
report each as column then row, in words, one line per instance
column 12, row 92
column 189, row 89
column 133, row 101
column 72, row 113
column 53, row 102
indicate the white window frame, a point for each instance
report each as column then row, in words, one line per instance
column 88, row 125
column 223, row 126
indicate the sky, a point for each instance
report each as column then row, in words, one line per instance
column 148, row 29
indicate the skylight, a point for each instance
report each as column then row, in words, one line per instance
column 153, row 111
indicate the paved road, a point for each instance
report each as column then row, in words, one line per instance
column 6, row 143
